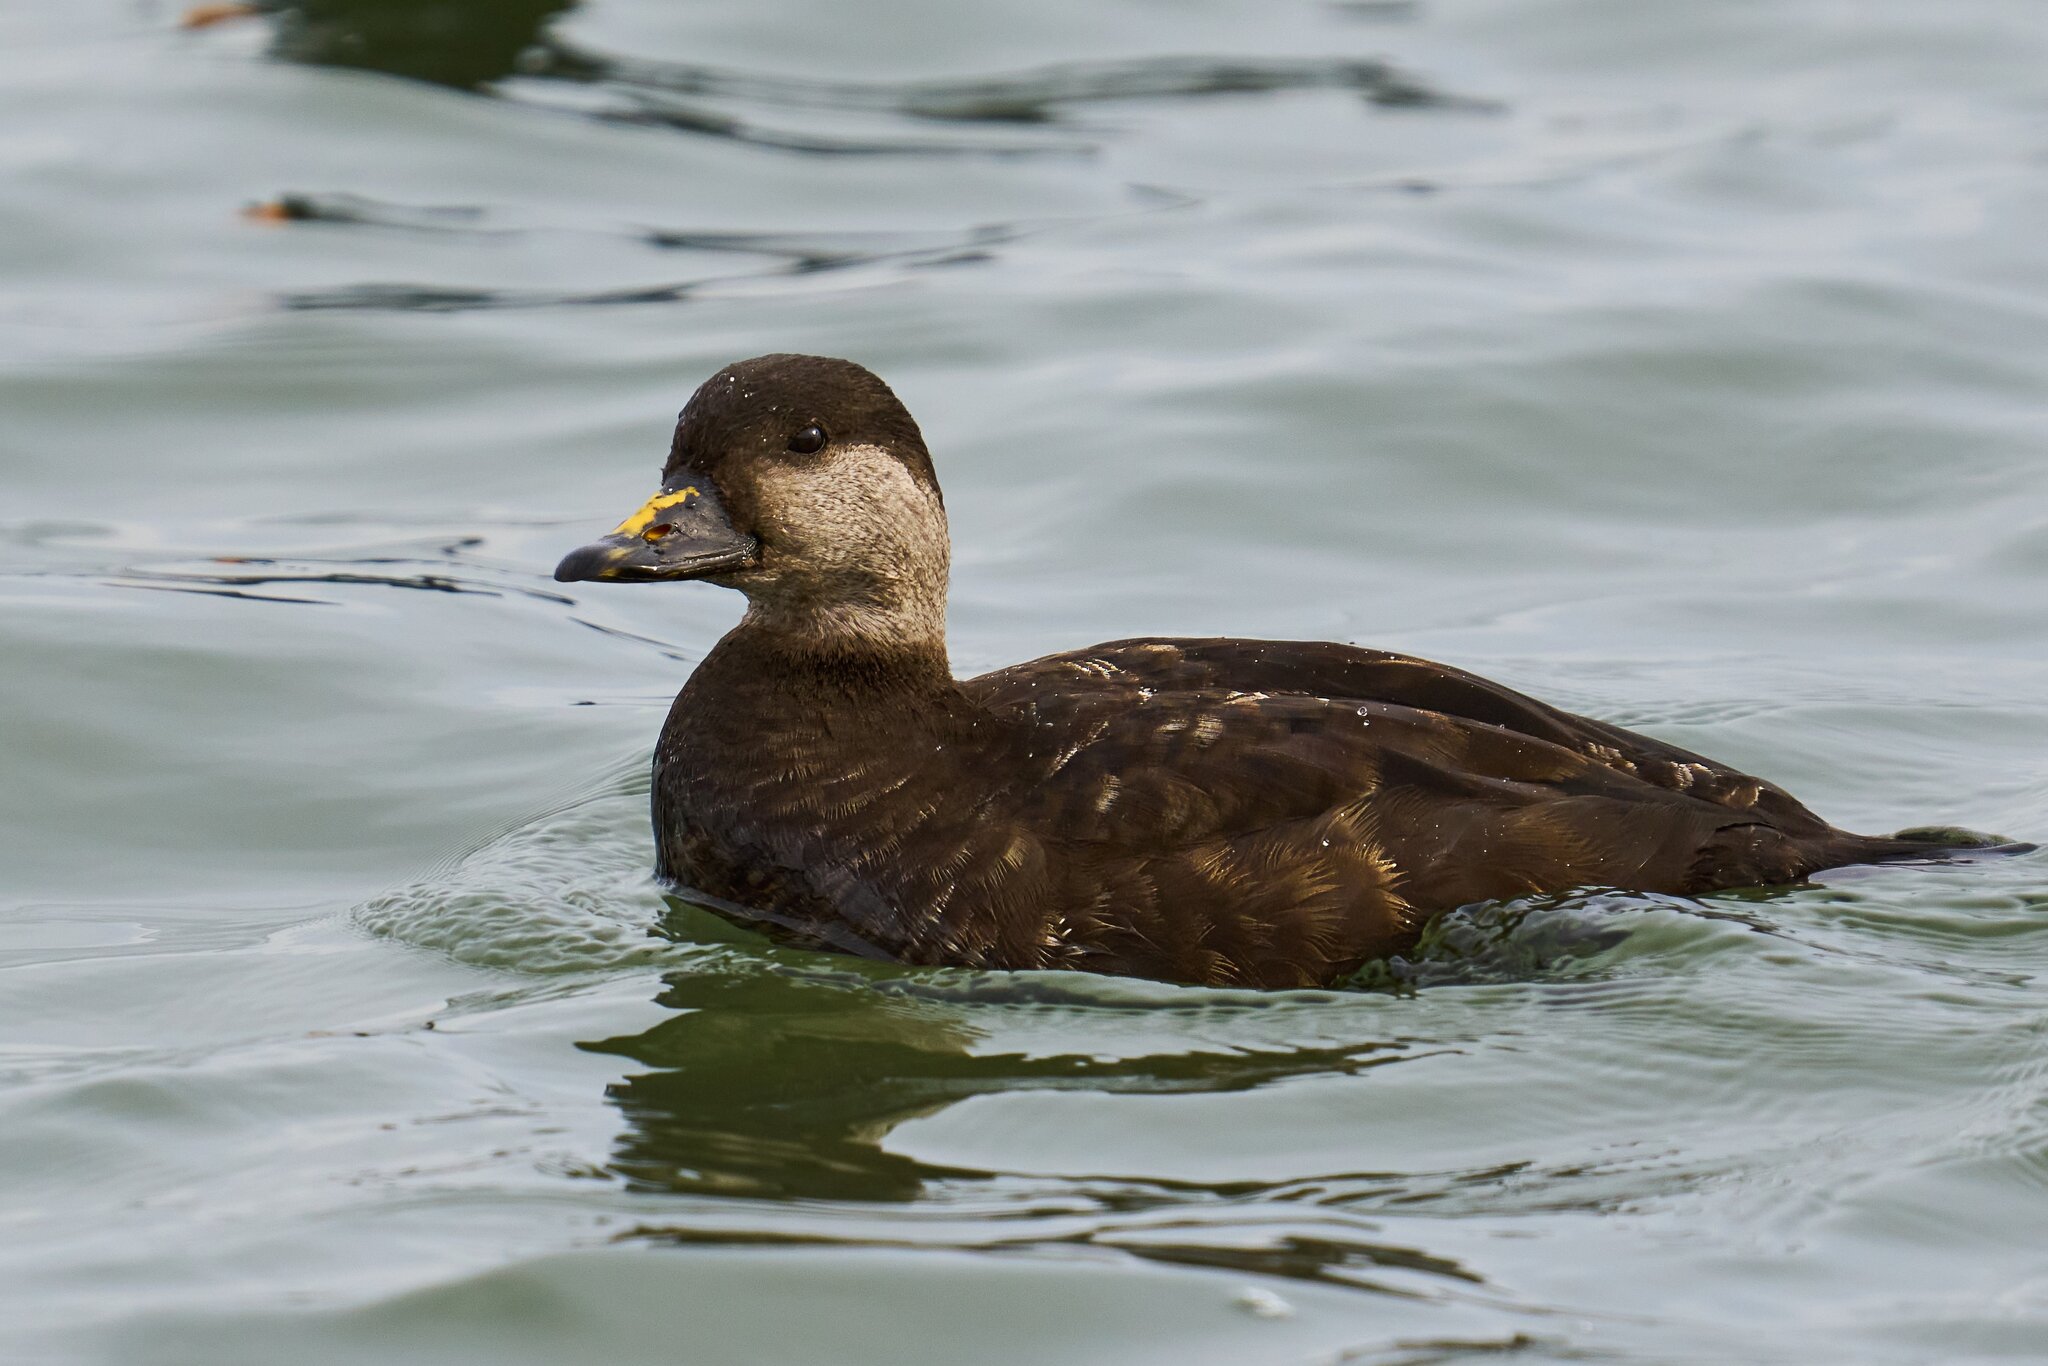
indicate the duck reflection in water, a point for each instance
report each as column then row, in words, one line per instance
column 781, row 1080
column 782, row 1077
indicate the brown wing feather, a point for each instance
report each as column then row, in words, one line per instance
column 1274, row 839
column 1322, row 669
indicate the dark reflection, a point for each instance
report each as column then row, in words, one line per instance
column 469, row 44
column 787, row 1082
column 1344, row 1262
column 1334, row 1261
column 1039, row 95
column 776, row 254
column 379, row 298
column 356, row 210
column 646, row 111
column 239, row 583
column 781, row 1078
column 1465, row 1351
column 479, row 45
column 508, row 49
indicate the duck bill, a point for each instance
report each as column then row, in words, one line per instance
column 683, row 532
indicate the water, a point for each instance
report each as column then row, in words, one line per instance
column 1681, row 364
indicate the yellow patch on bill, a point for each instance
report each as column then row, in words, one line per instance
column 658, row 504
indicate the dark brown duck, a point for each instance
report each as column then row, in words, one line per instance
column 1230, row 812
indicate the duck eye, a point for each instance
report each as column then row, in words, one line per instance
column 809, row 441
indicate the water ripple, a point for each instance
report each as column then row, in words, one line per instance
column 565, row 892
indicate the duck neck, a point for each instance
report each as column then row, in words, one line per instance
column 881, row 650
column 850, row 592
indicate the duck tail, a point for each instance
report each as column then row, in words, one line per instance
column 1935, row 844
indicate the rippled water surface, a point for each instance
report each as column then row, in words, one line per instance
column 1683, row 364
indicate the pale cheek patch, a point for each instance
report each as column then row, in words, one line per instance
column 858, row 510
column 857, row 516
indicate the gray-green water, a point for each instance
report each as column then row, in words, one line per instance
column 1684, row 364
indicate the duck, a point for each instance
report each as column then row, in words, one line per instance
column 1218, row 812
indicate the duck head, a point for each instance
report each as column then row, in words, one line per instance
column 802, row 482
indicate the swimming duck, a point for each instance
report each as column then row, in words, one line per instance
column 1216, row 811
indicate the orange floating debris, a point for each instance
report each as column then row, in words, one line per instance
column 206, row 16
column 270, row 211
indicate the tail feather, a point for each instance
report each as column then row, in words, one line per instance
column 1933, row 844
